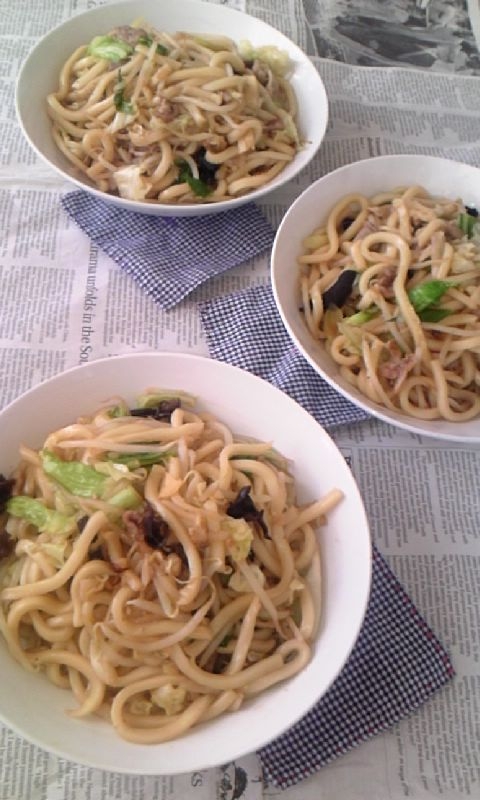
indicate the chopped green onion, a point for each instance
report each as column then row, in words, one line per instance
column 361, row 317
column 161, row 50
column 434, row 314
column 427, row 294
column 121, row 104
column 466, row 223
column 119, row 99
column 136, row 460
column 198, row 187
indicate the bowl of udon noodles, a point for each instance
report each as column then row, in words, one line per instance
column 173, row 108
column 376, row 275
column 185, row 563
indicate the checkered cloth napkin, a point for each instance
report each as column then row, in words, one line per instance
column 396, row 665
column 246, row 330
column 169, row 257
column 397, row 662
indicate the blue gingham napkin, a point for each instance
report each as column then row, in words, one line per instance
column 396, row 665
column 245, row 329
column 170, row 256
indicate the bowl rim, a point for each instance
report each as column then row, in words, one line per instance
column 399, row 420
column 362, row 522
column 171, row 209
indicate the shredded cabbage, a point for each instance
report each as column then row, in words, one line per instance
column 118, row 411
column 278, row 60
column 130, row 182
column 76, row 477
column 140, row 706
column 239, row 539
column 110, row 48
column 153, row 399
column 84, row 480
column 170, row 698
column 125, row 499
column 354, row 336
column 36, row 513
column 290, row 127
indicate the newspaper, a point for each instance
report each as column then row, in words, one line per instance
column 65, row 303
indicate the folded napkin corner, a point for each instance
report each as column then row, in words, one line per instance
column 169, row 257
column 396, row 665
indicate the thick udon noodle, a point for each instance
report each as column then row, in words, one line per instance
column 407, row 333
column 134, row 127
column 159, row 634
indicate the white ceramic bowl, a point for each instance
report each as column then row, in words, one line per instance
column 36, row 709
column 40, row 72
column 437, row 175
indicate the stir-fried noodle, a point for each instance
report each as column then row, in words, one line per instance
column 155, row 565
column 392, row 285
column 175, row 118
